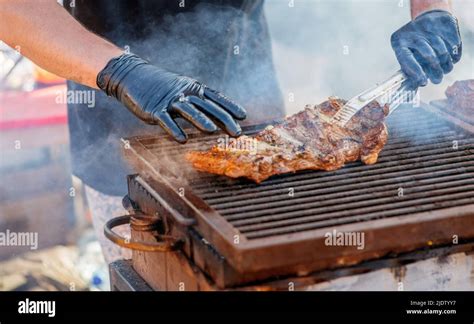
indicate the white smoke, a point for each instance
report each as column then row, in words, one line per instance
column 342, row 47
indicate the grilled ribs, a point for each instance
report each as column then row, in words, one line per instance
column 461, row 96
column 305, row 140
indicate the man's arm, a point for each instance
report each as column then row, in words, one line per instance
column 49, row 36
column 420, row 6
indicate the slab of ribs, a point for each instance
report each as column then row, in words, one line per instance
column 461, row 96
column 304, row 141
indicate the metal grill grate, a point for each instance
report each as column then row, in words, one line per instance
column 420, row 193
column 426, row 165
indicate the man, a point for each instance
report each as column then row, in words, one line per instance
column 224, row 44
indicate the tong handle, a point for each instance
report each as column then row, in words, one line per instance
column 395, row 81
column 400, row 96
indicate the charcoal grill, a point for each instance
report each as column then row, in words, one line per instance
column 419, row 195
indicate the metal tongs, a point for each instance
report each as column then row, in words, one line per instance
column 394, row 90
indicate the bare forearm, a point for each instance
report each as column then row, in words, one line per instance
column 45, row 33
column 420, row 6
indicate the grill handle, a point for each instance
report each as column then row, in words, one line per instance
column 169, row 243
column 184, row 221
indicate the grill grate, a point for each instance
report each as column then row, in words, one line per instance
column 426, row 165
column 419, row 193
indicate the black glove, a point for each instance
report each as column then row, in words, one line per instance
column 427, row 47
column 157, row 96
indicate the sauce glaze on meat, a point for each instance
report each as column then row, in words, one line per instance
column 305, row 140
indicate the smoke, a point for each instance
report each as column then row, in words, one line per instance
column 342, row 47
column 320, row 48
column 224, row 47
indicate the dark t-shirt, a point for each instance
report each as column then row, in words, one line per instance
column 224, row 44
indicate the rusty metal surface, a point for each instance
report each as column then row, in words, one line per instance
column 419, row 194
column 142, row 223
column 125, row 278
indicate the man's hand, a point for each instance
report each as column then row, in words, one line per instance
column 427, row 47
column 157, row 96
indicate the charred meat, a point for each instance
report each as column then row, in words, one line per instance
column 303, row 141
column 461, row 95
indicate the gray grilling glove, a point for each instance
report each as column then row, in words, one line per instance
column 427, row 47
column 159, row 97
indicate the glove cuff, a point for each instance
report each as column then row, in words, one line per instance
column 433, row 11
column 114, row 72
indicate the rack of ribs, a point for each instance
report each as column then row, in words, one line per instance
column 461, row 96
column 306, row 140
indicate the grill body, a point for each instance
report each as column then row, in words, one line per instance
column 420, row 194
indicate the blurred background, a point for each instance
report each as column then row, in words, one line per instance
column 321, row 48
